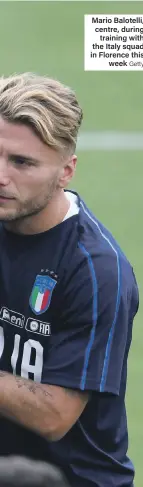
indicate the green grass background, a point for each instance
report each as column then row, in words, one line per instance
column 47, row 37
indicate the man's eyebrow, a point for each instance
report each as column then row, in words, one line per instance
column 22, row 157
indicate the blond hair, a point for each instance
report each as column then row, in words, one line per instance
column 49, row 107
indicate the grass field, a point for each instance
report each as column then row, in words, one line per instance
column 47, row 37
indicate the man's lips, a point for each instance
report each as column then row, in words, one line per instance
column 6, row 197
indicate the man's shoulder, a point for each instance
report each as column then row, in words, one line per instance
column 97, row 254
column 98, row 240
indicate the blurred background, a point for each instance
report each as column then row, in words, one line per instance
column 48, row 38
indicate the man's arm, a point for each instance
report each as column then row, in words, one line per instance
column 48, row 410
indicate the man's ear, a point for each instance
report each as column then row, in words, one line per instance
column 68, row 171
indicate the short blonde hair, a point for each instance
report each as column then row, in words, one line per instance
column 49, row 107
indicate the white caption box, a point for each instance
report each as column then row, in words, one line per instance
column 113, row 42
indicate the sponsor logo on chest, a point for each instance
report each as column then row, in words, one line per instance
column 17, row 319
column 39, row 327
column 12, row 317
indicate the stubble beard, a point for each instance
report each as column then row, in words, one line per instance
column 34, row 207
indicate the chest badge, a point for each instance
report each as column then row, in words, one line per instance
column 42, row 290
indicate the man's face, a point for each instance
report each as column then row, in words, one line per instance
column 29, row 183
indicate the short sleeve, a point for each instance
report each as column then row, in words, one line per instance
column 98, row 305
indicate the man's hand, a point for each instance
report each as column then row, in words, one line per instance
column 47, row 409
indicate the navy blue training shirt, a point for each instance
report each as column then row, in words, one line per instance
column 68, row 297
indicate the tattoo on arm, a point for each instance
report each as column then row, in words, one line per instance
column 28, row 384
column 35, row 387
column 32, row 386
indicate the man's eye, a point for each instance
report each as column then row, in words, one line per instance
column 20, row 161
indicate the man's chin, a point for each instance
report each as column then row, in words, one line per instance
column 7, row 216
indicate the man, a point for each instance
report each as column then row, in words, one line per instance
column 20, row 472
column 68, row 297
